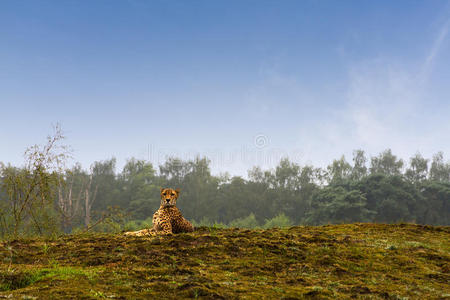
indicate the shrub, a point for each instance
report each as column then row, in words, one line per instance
column 279, row 221
column 247, row 222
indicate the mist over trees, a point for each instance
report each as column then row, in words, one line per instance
column 43, row 199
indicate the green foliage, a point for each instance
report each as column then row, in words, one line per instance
column 247, row 222
column 386, row 163
column 43, row 198
column 134, row 225
column 339, row 170
column 279, row 221
column 29, row 192
column 338, row 205
column 392, row 197
column 418, row 169
column 206, row 222
column 439, row 171
column 13, row 280
column 139, row 188
column 359, row 169
column 435, row 203
column 112, row 221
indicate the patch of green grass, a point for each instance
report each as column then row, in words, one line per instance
column 45, row 248
column 97, row 294
column 12, row 280
column 64, row 273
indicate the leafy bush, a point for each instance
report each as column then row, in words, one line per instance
column 205, row 221
column 279, row 221
column 247, row 222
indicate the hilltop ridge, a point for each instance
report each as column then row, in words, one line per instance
column 333, row 261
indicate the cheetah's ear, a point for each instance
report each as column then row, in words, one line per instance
column 178, row 192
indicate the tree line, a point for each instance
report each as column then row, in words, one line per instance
column 42, row 197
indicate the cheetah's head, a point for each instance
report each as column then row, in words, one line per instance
column 169, row 197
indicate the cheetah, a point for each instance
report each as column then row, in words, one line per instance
column 168, row 218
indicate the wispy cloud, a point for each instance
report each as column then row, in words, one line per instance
column 385, row 107
column 434, row 51
column 386, row 102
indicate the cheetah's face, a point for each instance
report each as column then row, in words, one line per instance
column 169, row 197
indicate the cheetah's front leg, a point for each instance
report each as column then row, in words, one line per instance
column 165, row 227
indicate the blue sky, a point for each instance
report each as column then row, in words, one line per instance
column 243, row 82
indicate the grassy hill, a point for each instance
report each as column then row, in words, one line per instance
column 336, row 261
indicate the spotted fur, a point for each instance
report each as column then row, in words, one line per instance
column 168, row 218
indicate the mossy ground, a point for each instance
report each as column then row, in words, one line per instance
column 362, row 261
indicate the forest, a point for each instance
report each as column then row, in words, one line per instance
column 42, row 197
